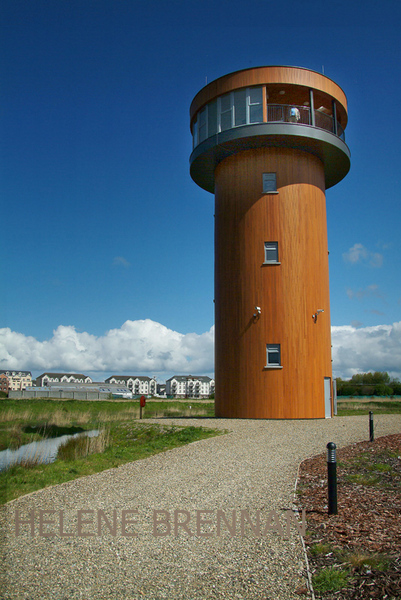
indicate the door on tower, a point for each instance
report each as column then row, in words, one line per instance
column 327, row 397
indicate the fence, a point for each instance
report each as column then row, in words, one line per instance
column 21, row 395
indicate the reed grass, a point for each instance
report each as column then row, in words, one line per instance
column 19, row 418
column 29, row 462
column 83, row 445
column 11, row 414
column 350, row 407
column 80, row 412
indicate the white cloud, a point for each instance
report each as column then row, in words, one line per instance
column 137, row 347
column 370, row 290
column 359, row 254
column 141, row 347
column 121, row 261
column 359, row 350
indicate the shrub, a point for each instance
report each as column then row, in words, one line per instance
column 330, row 580
column 382, row 389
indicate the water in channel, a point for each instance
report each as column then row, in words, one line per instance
column 44, row 451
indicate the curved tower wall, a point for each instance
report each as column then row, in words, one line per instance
column 272, row 311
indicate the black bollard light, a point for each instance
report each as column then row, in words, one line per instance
column 332, row 477
column 371, row 428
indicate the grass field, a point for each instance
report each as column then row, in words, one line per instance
column 352, row 406
column 124, row 438
column 24, row 421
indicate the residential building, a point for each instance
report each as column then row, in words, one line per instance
column 18, row 380
column 138, row 384
column 190, row 386
column 161, row 389
column 4, row 387
column 46, row 378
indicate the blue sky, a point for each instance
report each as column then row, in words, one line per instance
column 106, row 241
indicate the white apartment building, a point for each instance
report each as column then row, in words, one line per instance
column 190, row 386
column 46, row 378
column 18, row 380
column 137, row 384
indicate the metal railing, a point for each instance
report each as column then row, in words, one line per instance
column 301, row 115
column 287, row 113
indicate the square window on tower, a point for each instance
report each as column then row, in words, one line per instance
column 269, row 183
column 273, row 355
column 271, row 253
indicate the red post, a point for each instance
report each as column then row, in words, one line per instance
column 142, row 404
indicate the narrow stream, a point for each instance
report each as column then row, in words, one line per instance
column 44, row 451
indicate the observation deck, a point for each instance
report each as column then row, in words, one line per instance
column 288, row 107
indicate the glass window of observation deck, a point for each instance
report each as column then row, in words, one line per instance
column 234, row 109
column 212, row 118
column 240, row 107
column 226, row 111
column 255, row 105
column 202, row 132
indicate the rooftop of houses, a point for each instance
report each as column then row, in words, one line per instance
column 62, row 375
column 127, row 377
column 15, row 373
column 190, row 377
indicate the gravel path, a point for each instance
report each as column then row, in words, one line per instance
column 253, row 468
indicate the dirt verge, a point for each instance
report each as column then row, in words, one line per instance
column 356, row 554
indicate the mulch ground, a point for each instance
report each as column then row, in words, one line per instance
column 364, row 539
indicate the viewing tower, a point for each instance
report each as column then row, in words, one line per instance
column 268, row 142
